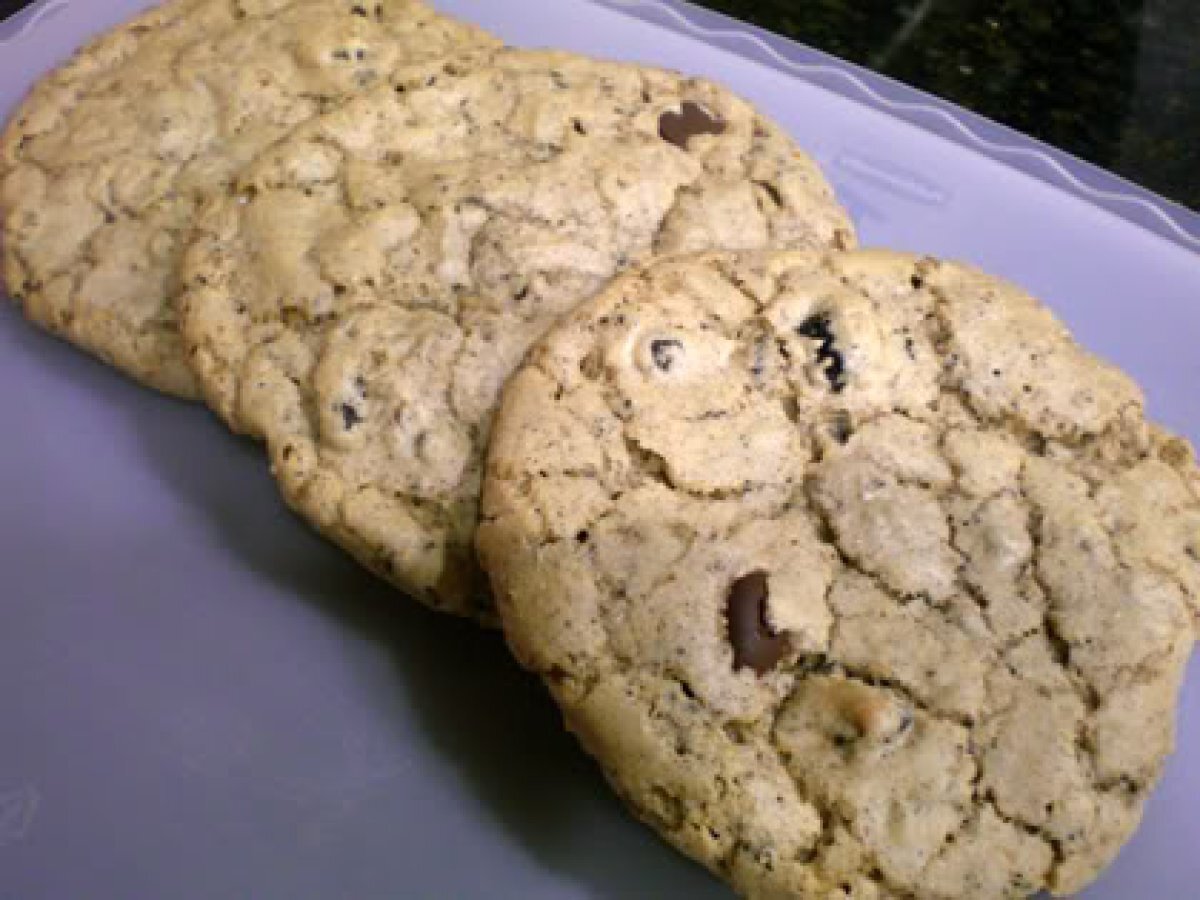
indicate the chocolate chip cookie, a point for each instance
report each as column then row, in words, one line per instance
column 102, row 166
column 858, row 576
column 359, row 296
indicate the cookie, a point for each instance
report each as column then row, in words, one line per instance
column 856, row 574
column 360, row 295
column 102, row 165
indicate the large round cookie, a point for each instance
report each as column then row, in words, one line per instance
column 361, row 295
column 857, row 575
column 101, row 167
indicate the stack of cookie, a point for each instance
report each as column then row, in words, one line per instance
column 856, row 574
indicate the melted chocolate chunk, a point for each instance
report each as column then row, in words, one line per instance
column 665, row 352
column 755, row 644
column 692, row 119
column 819, row 328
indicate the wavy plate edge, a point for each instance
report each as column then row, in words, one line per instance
column 1119, row 197
column 24, row 22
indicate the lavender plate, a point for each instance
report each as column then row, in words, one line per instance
column 199, row 699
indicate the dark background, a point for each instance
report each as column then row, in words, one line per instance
column 1116, row 82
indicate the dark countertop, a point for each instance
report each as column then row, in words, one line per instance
column 1116, row 82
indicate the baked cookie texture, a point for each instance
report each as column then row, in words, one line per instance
column 856, row 574
column 103, row 165
column 359, row 296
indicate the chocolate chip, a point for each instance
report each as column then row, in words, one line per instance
column 755, row 644
column 665, row 352
column 692, row 119
column 350, row 416
column 819, row 328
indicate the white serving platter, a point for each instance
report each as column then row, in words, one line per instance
column 201, row 700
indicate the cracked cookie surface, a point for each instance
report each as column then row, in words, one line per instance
column 360, row 296
column 855, row 573
column 103, row 165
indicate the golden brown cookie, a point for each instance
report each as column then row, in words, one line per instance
column 856, row 574
column 361, row 293
column 103, row 165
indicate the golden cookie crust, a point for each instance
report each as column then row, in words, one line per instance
column 855, row 573
column 359, row 296
column 103, row 165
